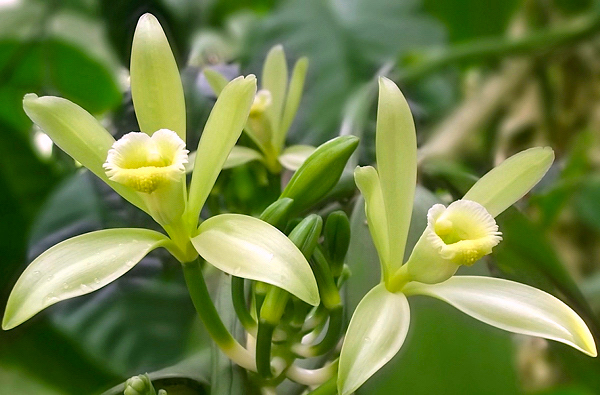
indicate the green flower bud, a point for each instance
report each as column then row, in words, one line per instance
column 277, row 213
column 306, row 234
column 320, row 172
column 337, row 239
column 139, row 385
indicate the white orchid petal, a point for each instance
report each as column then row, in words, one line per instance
column 376, row 332
column 511, row 180
column 513, row 307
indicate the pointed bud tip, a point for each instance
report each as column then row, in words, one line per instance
column 147, row 19
column 29, row 97
column 277, row 48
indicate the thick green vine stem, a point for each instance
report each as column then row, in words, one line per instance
column 238, row 297
column 270, row 315
column 196, row 284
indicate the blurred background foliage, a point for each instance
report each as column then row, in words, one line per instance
column 484, row 80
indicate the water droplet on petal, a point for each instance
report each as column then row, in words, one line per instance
column 97, row 280
column 37, row 273
column 367, row 340
column 49, row 278
column 84, row 287
column 237, row 270
column 65, row 286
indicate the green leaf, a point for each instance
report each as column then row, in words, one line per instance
column 240, row 155
column 221, row 131
column 76, row 267
column 511, row 180
column 275, row 80
column 396, row 146
column 470, row 19
column 250, row 248
column 294, row 95
column 156, row 87
column 77, row 133
column 587, row 202
column 150, row 305
column 293, row 157
column 367, row 181
column 375, row 334
column 41, row 352
column 513, row 307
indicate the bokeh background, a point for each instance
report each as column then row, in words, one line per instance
column 484, row 79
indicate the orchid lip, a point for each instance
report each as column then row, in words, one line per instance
column 146, row 163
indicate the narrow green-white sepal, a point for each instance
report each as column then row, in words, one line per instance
column 275, row 80
column 75, row 267
column 156, row 87
column 77, row 133
column 241, row 155
column 220, row 134
column 216, row 80
column 293, row 157
column 247, row 247
column 294, row 95
column 376, row 332
column 396, row 148
column 367, row 181
column 513, row 307
column 511, row 180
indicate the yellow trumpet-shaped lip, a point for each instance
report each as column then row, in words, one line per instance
column 262, row 101
column 463, row 232
column 145, row 163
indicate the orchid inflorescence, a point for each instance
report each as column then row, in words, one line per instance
column 295, row 268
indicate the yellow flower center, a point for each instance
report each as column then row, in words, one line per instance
column 463, row 232
column 145, row 163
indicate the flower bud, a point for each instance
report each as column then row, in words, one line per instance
column 320, row 172
column 337, row 239
column 277, row 213
column 139, row 385
column 306, row 234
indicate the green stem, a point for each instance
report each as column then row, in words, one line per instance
column 263, row 349
column 312, row 377
column 491, row 48
column 238, row 297
column 270, row 315
column 194, row 280
column 329, row 341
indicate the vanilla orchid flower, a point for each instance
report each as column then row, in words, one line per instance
column 459, row 234
column 147, row 168
column 271, row 115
